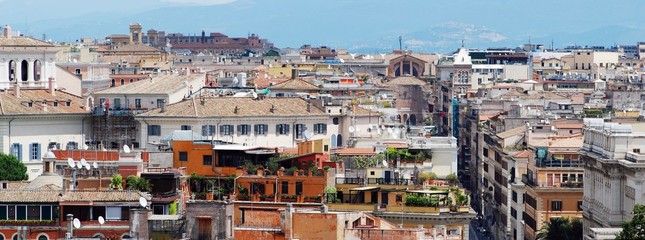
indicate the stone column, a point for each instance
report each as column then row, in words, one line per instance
column 18, row 73
column 30, row 71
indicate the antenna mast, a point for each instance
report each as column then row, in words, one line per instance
column 400, row 43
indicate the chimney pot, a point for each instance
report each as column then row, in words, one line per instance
column 52, row 89
column 16, row 90
column 7, row 31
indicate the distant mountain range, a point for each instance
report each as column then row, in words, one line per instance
column 367, row 34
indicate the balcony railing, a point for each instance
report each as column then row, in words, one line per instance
column 380, row 181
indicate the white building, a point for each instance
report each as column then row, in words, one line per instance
column 26, row 61
column 269, row 122
column 150, row 93
column 614, row 173
column 36, row 120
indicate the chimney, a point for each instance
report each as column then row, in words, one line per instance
column 272, row 108
column 45, row 105
column 308, row 106
column 16, row 90
column 163, row 105
column 52, row 89
column 6, row 31
column 236, row 109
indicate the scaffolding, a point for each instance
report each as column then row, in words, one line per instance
column 113, row 129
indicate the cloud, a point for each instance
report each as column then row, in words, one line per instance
column 198, row 2
column 492, row 36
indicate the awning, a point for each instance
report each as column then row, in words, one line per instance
column 364, row 188
column 438, row 192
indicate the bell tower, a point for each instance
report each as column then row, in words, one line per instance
column 136, row 36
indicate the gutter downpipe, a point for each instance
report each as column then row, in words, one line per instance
column 11, row 120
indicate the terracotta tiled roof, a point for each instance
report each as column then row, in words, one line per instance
column 246, row 107
column 407, row 81
column 568, row 142
column 265, row 82
column 23, row 42
column 293, row 151
column 522, row 154
column 355, row 151
column 295, row 84
column 34, row 196
column 11, row 105
column 131, row 48
column 164, row 84
column 103, row 196
column 361, row 111
column 512, row 132
column 569, row 125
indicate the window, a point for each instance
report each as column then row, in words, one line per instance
column 71, row 146
column 46, row 213
column 298, row 188
column 33, row 213
column 579, row 205
column 226, row 130
column 154, row 130
column 122, row 81
column 53, row 145
column 282, row 129
column 160, row 102
column 117, row 103
column 43, row 237
column 137, row 103
column 21, row 212
column 637, row 150
column 113, row 213
column 556, row 205
column 183, row 156
column 3, row 212
column 485, row 167
column 16, row 150
column 299, row 130
column 261, row 129
column 34, row 149
column 285, row 187
column 320, row 128
column 208, row 130
column 243, row 129
column 335, row 121
column 186, row 127
column 208, row 160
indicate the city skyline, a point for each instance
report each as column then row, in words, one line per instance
column 352, row 24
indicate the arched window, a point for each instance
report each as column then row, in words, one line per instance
column 37, row 70
column 98, row 235
column 339, row 141
column 12, row 70
column 24, row 71
column 43, row 236
column 333, row 140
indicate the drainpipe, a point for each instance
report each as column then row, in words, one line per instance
column 147, row 133
column 11, row 120
column 293, row 135
column 83, row 131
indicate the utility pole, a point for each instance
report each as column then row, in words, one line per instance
column 400, row 43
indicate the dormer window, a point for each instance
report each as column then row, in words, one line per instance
column 55, row 103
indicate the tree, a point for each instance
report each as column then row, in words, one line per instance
column 635, row 228
column 272, row 53
column 561, row 228
column 116, row 182
column 138, row 183
column 11, row 169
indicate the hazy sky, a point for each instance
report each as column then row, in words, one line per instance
column 424, row 24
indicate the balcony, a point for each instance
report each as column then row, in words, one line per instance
column 635, row 157
column 379, row 181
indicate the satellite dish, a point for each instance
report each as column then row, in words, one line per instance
column 79, row 165
column 389, row 130
column 83, row 162
column 126, row 149
column 95, row 165
column 384, row 96
column 77, row 223
column 394, row 135
column 85, row 147
column 352, row 129
column 87, row 166
column 385, row 164
column 308, row 135
column 71, row 163
column 143, row 202
column 255, row 95
column 379, row 131
column 101, row 220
